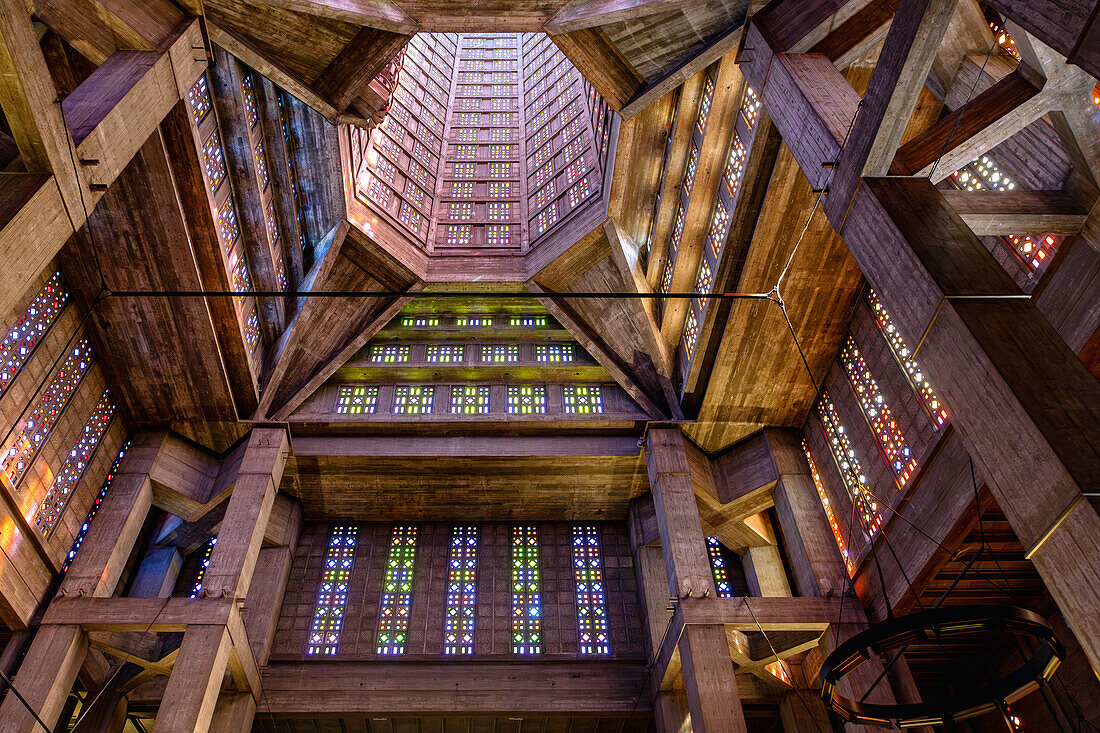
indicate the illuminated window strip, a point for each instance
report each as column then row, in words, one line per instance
column 204, row 563
column 877, row 410
column 66, row 480
column 834, row 525
column 591, row 598
column 459, row 621
column 850, row 469
column 37, row 427
column 584, row 399
column 25, row 335
column 393, row 623
column 901, row 352
column 469, row 399
column 328, row 615
column 526, row 592
column 722, row 583
column 95, row 507
column 553, row 353
column 357, row 400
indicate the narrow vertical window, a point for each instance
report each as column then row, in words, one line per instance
column 328, row 616
column 718, row 568
column 95, row 508
column 204, row 562
column 458, row 624
column 61, row 490
column 849, row 466
column 25, row 335
column 526, row 598
column 37, row 427
column 834, row 525
column 875, row 407
column 909, row 365
column 199, row 98
column 591, row 601
column 393, row 626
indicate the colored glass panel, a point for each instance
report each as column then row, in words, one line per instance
column 204, row 562
column 908, row 364
column 718, row 568
column 553, row 353
column 66, row 480
column 356, row 400
column 36, row 428
column 199, row 98
column 389, row 354
column 25, row 335
column 328, row 614
column 469, row 399
column 413, row 399
column 834, row 525
column 95, row 508
column 526, row 399
column 393, row 624
column 851, row 471
column 460, row 617
column 582, row 399
column 591, row 598
column 526, row 592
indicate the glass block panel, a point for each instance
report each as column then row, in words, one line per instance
column 356, row 400
column 328, row 614
column 460, row 618
column 25, row 335
column 582, row 399
column 393, row 624
column 470, row 399
column 413, row 399
column 526, row 592
column 526, row 399
column 591, row 600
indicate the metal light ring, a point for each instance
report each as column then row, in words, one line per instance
column 893, row 634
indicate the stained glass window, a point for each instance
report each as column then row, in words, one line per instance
column 527, row 321
column 238, row 272
column 469, row 399
column 199, row 98
column 37, row 427
column 249, row 94
column 458, row 624
column 280, row 273
column 261, row 164
column 849, row 466
column 735, row 165
column 526, row 592
column 412, row 399
column 500, row 353
column 591, row 601
column 252, row 330
column 228, row 227
column 356, row 400
column 583, row 399
column 526, row 399
column 393, row 625
column 704, row 104
column 213, row 161
column 24, row 336
column 579, row 192
column 750, row 107
column 328, row 615
column 95, row 508
column 690, row 336
column 719, row 224
column 834, row 525
column 885, row 426
column 420, row 321
column 718, row 568
column 206, row 551
column 474, row 321
column 389, row 353
column 61, row 490
column 553, row 353
column 445, row 353
column 904, row 356
column 271, row 222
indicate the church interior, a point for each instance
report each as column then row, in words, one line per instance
column 753, row 347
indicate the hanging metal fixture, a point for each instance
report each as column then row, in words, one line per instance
column 938, row 625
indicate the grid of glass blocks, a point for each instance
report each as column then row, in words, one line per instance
column 24, row 336
column 356, row 400
column 393, row 623
column 389, row 353
column 526, row 592
column 718, row 568
column 61, row 490
column 95, row 508
column 834, row 525
column 499, row 353
column 582, row 399
column 469, row 399
column 904, row 356
column 851, row 471
column 458, row 623
column 328, row 614
column 445, row 353
column 204, row 562
column 413, row 399
column 591, row 600
column 527, row 321
column 474, row 321
column 553, row 353
column 40, row 423
column 526, row 399
column 420, row 321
